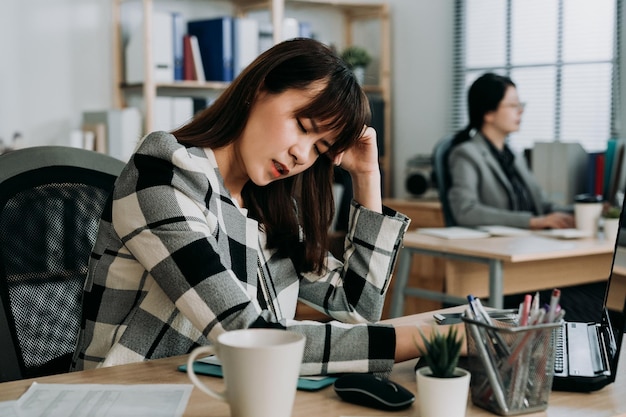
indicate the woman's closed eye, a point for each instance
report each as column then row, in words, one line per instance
column 301, row 126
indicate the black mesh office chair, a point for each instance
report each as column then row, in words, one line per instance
column 441, row 176
column 51, row 198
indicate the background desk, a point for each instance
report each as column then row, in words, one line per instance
column 514, row 265
column 608, row 402
column 426, row 271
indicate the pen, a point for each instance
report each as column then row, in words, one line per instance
column 496, row 338
column 535, row 304
column 480, row 310
column 554, row 302
column 523, row 320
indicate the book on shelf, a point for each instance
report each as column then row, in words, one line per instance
column 162, row 50
column 215, row 40
column 178, row 31
column 196, row 58
column 189, row 71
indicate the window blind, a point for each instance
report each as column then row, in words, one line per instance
column 563, row 55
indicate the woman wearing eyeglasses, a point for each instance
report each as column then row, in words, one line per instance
column 491, row 185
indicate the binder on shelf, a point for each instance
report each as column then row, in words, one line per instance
column 168, row 113
column 291, row 28
column 245, row 43
column 560, row 169
column 120, row 132
column 613, row 168
column 215, row 40
column 178, row 31
column 94, row 137
column 593, row 165
column 182, row 111
column 162, row 50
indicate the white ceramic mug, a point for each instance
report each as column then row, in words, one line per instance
column 587, row 215
column 260, row 367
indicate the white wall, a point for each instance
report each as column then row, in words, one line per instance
column 57, row 63
column 421, row 73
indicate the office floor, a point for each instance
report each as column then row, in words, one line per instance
column 581, row 303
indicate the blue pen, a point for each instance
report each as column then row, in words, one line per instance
column 470, row 301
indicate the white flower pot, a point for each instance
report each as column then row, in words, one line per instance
column 439, row 397
column 610, row 229
column 359, row 73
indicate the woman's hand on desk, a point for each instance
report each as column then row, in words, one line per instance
column 408, row 339
column 556, row 220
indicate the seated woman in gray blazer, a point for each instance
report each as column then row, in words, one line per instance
column 491, row 185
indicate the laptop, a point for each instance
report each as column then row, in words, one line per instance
column 587, row 353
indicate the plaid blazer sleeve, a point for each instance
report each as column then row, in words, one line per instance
column 353, row 291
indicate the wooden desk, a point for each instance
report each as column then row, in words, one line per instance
column 513, row 265
column 610, row 401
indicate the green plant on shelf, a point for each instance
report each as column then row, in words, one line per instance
column 356, row 56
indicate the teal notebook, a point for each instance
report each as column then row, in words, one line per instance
column 305, row 383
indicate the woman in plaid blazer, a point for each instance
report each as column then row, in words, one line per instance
column 223, row 224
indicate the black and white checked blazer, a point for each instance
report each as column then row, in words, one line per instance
column 177, row 262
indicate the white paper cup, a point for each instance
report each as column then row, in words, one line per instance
column 587, row 215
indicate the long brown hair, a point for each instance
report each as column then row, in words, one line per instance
column 299, row 232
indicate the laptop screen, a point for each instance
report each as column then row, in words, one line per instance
column 615, row 298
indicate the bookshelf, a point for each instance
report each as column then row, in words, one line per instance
column 352, row 12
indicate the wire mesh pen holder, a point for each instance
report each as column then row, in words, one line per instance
column 512, row 367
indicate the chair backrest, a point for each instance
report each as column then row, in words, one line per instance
column 51, row 199
column 441, row 174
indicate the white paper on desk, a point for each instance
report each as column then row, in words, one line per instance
column 496, row 230
column 564, row 233
column 453, row 232
column 104, row 400
column 8, row 409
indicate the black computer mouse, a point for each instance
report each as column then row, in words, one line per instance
column 371, row 391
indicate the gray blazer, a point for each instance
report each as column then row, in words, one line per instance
column 481, row 192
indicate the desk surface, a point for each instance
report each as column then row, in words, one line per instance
column 511, row 249
column 610, row 401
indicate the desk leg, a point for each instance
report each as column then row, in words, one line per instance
column 496, row 277
column 402, row 279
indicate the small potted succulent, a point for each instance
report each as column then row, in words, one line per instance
column 442, row 387
column 357, row 59
column 610, row 225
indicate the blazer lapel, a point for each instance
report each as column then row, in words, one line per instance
column 494, row 165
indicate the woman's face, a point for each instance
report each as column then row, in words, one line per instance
column 276, row 144
column 508, row 116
